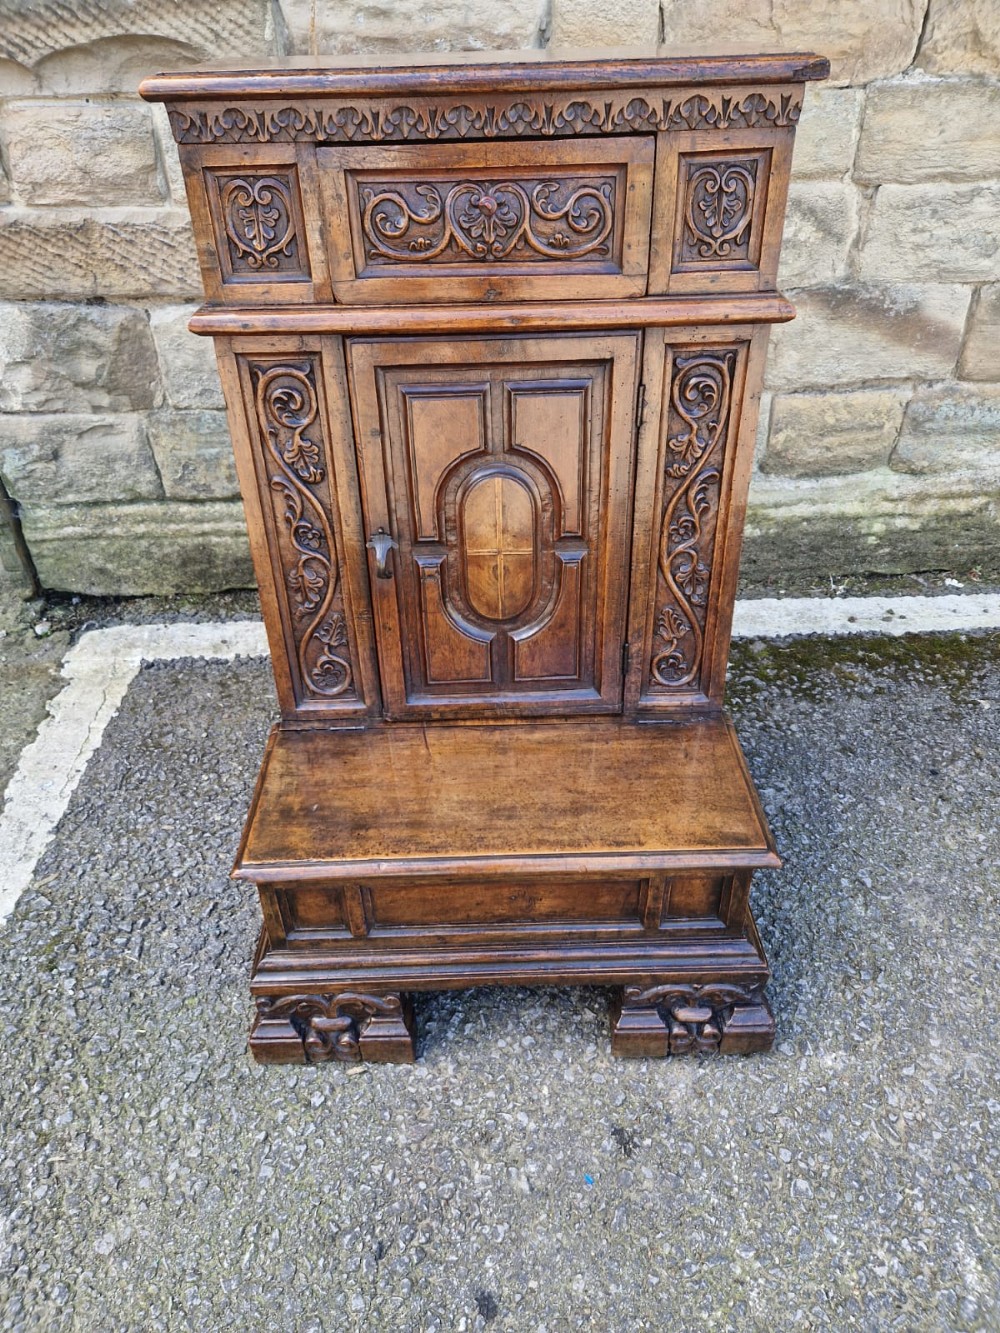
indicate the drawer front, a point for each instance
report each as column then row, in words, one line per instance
column 720, row 198
column 489, row 221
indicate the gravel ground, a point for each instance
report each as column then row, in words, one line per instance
column 152, row 1177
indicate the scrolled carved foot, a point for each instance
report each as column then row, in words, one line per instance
column 676, row 1019
column 311, row 1029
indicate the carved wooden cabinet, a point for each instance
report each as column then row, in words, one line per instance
column 491, row 335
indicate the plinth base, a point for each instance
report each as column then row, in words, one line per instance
column 592, row 853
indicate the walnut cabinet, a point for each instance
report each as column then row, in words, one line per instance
column 491, row 333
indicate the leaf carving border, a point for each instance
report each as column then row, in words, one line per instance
column 432, row 119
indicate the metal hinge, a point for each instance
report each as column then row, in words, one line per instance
column 626, row 658
column 640, row 408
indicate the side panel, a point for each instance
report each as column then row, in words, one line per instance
column 693, row 473
column 287, row 403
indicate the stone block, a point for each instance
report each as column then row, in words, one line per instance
column 4, row 186
column 187, row 362
column 864, row 39
column 59, row 357
column 826, row 135
column 66, row 458
column 122, row 550
column 820, row 225
column 981, row 353
column 928, row 129
column 194, row 455
column 315, row 27
column 591, row 23
column 51, row 31
column 852, row 334
column 874, row 522
column 961, row 37
column 827, row 434
column 171, row 176
column 950, row 429
column 111, row 252
column 81, row 152
column 933, row 233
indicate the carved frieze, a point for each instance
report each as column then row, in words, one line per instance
column 697, row 422
column 287, row 410
column 433, row 119
column 425, row 221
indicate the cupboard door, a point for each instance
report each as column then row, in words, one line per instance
column 497, row 498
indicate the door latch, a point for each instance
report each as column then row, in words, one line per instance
column 381, row 543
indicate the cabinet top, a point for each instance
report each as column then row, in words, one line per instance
column 478, row 71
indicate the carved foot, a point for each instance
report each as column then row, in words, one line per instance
column 310, row 1029
column 672, row 1019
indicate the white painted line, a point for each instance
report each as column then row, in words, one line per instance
column 772, row 617
column 98, row 671
column 100, row 667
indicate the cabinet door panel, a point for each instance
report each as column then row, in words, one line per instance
column 501, row 470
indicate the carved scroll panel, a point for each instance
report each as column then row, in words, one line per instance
column 295, row 487
column 697, row 416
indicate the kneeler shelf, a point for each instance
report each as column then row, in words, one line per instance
column 491, row 334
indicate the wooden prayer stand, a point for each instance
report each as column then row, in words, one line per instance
column 491, row 333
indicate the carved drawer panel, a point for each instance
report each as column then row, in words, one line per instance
column 723, row 195
column 488, row 222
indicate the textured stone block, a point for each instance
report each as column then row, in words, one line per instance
column 981, row 353
column 961, row 37
column 58, row 357
column 4, row 186
column 171, row 176
column 187, row 363
column 827, row 434
column 120, row 550
column 850, row 334
column 194, row 455
column 590, row 23
column 826, row 135
column 917, row 130
column 933, row 233
column 110, row 252
column 67, row 458
column 874, row 522
column 47, row 31
column 951, row 428
column 820, row 224
column 315, row 27
column 864, row 39
column 81, row 153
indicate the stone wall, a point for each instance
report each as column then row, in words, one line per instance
column 880, row 440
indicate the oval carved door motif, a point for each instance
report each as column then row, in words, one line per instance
column 498, row 526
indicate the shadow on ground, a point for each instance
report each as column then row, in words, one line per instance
column 153, row 1178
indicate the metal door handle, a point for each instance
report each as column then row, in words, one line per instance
column 381, row 543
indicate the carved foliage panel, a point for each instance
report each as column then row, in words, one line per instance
column 698, row 413
column 296, row 486
column 257, row 219
column 721, row 200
